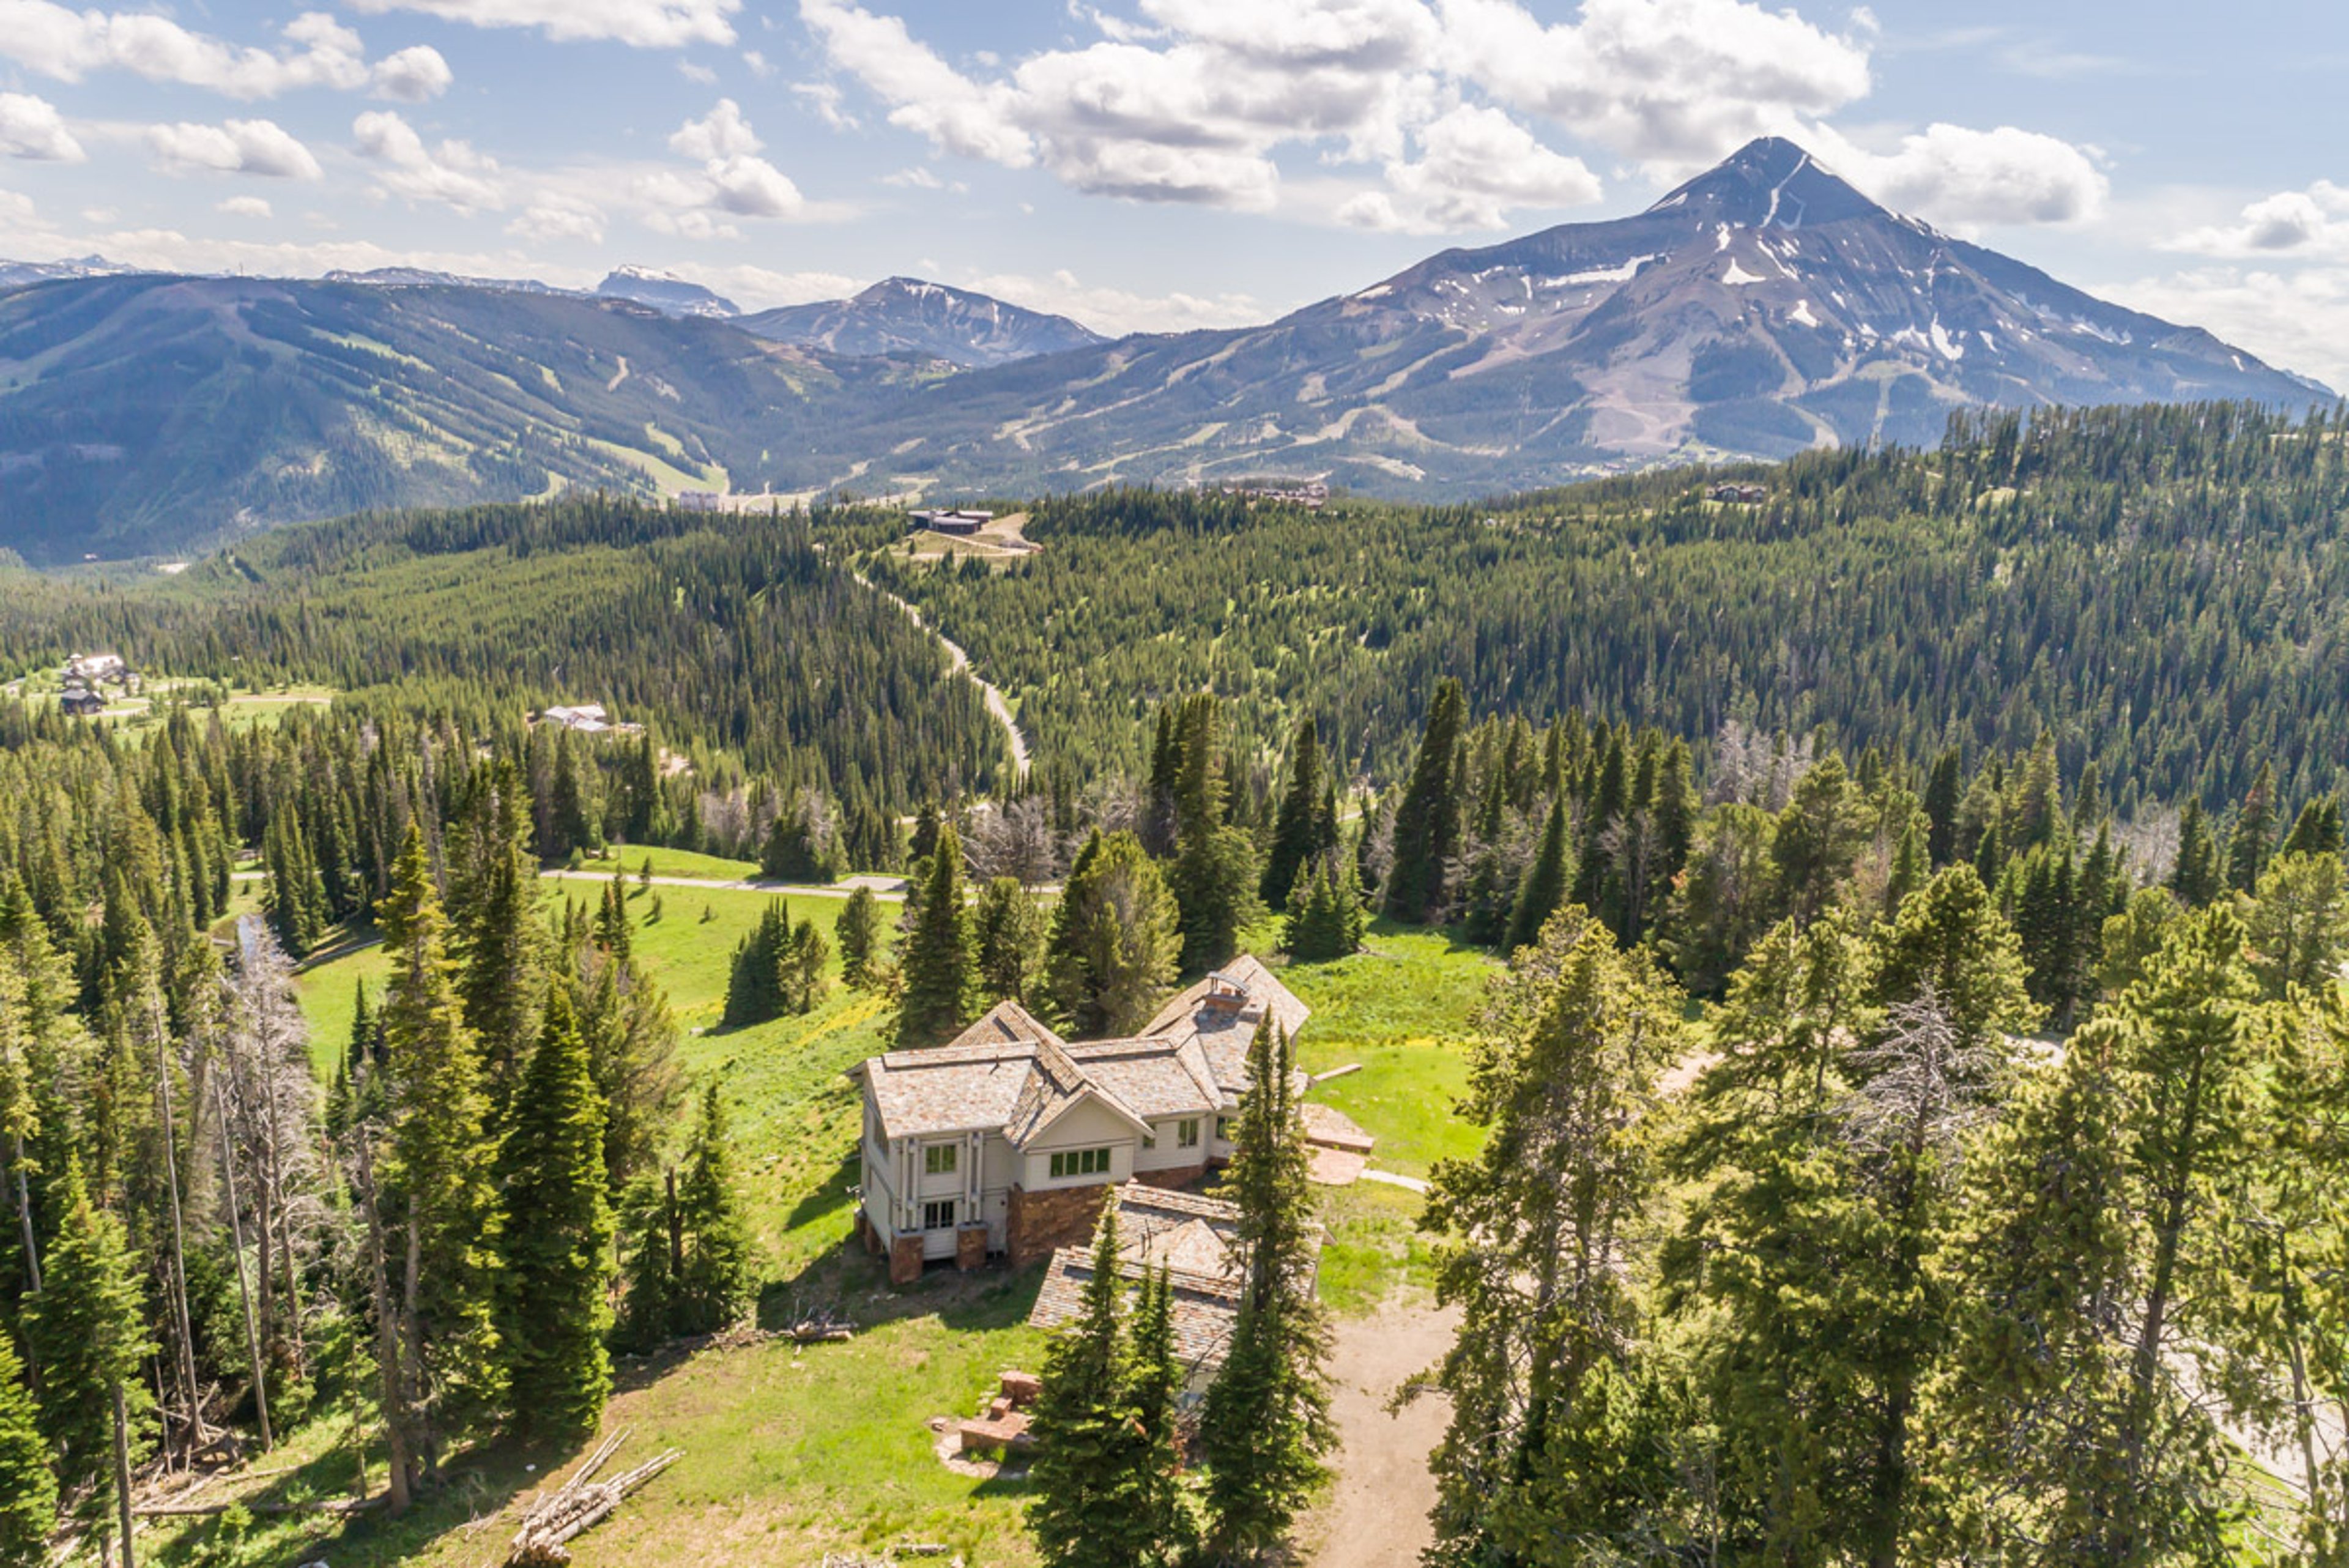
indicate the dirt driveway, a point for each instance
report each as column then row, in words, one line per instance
column 1376, row 1516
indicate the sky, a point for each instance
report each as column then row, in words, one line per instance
column 1160, row 164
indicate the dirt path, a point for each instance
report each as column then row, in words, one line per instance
column 996, row 704
column 1376, row 1516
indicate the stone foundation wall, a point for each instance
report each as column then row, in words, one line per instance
column 970, row 1247
column 906, row 1259
column 1174, row 1177
column 1037, row 1223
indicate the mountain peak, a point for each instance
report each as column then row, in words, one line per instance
column 1771, row 180
column 664, row 292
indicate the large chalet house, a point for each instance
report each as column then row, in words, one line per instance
column 1004, row 1142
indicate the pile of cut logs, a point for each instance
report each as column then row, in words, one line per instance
column 580, row 1503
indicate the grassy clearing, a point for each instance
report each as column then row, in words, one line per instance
column 632, row 859
column 790, row 1452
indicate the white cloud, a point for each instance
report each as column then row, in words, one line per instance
column 697, row 73
column 245, row 207
column 2298, row 320
column 553, row 216
column 733, row 181
column 32, row 127
column 1475, row 166
column 412, row 75
column 913, row 179
column 16, row 211
column 235, row 147
column 2294, row 225
column 1217, row 101
column 826, row 99
column 1670, row 83
column 1119, row 311
column 1963, row 177
column 69, row 45
column 646, row 24
column 452, row 173
column 723, row 133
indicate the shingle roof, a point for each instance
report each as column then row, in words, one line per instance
column 1009, row 1073
column 1194, row 1239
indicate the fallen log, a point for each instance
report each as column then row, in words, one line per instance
column 201, row 1509
column 578, row 1505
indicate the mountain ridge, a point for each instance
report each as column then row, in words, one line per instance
column 1762, row 308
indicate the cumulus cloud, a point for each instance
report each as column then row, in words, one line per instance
column 47, row 38
column 1447, row 103
column 451, row 174
column 236, row 147
column 412, row 75
column 553, row 216
column 32, row 127
column 245, row 207
column 1964, row 178
column 1672, row 83
column 1474, row 167
column 2288, row 225
column 16, row 211
column 646, row 24
column 733, row 181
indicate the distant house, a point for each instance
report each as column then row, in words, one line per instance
column 700, row 500
column 91, row 669
column 1196, row 1242
column 958, row 522
column 587, row 718
column 82, row 703
column 1004, row 1142
column 1310, row 494
column 1739, row 495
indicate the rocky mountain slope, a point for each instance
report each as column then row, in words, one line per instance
column 1762, row 308
column 908, row 317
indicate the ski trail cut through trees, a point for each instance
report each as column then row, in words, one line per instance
column 960, row 662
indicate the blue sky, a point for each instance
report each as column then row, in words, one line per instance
column 1162, row 163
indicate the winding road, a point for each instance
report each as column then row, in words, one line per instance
column 997, row 704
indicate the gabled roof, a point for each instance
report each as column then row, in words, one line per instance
column 1010, row 1073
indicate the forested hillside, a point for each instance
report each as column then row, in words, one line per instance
column 2164, row 591
column 1915, row 905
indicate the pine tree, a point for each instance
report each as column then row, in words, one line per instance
column 754, row 985
column 1214, row 874
column 440, row 1174
column 1943, row 793
column 858, row 933
column 1110, row 951
column 28, row 1492
column 1265, row 1424
column 1563, row 1078
column 1304, row 829
column 1427, row 819
column 805, row 968
column 495, row 935
column 86, row 1332
column 557, row 1239
column 716, row 1282
column 2252, row 837
column 1154, row 1386
column 940, row 961
column 1545, row 880
column 649, row 1306
column 1089, row 1447
column 2196, row 877
column 2298, row 922
column 1324, row 912
column 2317, row 829
column 1009, row 931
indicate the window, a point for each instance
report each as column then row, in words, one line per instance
column 938, row 1216
column 1186, row 1134
column 1079, row 1162
column 938, row 1159
column 1223, row 1130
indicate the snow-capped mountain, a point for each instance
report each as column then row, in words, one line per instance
column 669, row 295
column 907, row 316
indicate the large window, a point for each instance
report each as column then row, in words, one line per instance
column 938, row 1216
column 1186, row 1134
column 1079, row 1162
column 938, row 1159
